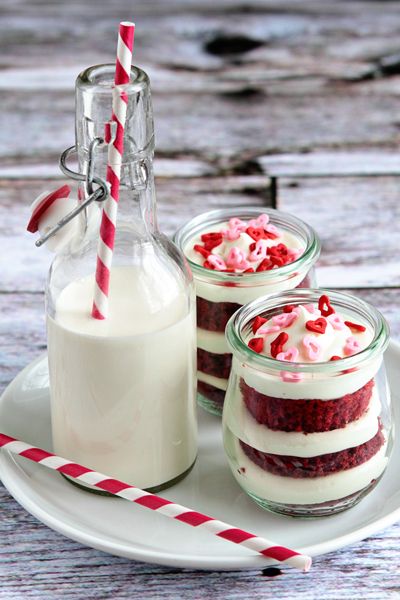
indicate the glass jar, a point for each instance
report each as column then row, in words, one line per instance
column 121, row 403
column 220, row 294
column 307, row 439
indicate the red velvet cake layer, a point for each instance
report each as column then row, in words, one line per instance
column 211, row 393
column 218, row 365
column 214, row 316
column 309, row 416
column 315, row 466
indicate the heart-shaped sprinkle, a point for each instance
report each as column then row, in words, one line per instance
column 312, row 309
column 268, row 329
column 271, row 231
column 265, row 265
column 284, row 319
column 312, row 346
column 288, row 308
column 261, row 221
column 289, row 377
column 211, row 240
column 278, row 343
column 217, row 262
column 278, row 250
column 236, row 223
column 232, row 234
column 335, row 357
column 237, row 259
column 336, row 321
column 251, row 270
column 317, row 326
column 355, row 326
column 277, row 261
column 259, row 252
column 201, row 250
column 290, row 355
column 258, row 321
column 352, row 346
column 324, row 305
column 255, row 233
column 256, row 344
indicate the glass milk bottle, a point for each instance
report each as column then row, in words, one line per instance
column 122, row 388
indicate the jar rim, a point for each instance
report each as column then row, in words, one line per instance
column 280, row 218
column 242, row 318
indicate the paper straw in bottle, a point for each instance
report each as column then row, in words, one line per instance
column 115, row 154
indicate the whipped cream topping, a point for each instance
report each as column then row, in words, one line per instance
column 238, row 246
column 307, row 333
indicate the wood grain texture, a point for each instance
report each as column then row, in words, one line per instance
column 300, row 89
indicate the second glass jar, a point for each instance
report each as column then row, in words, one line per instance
column 220, row 294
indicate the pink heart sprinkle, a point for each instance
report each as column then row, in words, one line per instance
column 336, row 321
column 272, row 229
column 312, row 309
column 237, row 259
column 261, row 221
column 217, row 261
column 289, row 377
column 266, row 330
column 352, row 346
column 260, row 251
column 312, row 346
column 290, row 355
column 231, row 234
column 236, row 223
column 285, row 319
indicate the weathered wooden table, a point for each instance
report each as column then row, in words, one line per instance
column 295, row 102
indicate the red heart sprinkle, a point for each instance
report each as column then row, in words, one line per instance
column 355, row 326
column 278, row 343
column 211, row 240
column 318, row 326
column 278, row 261
column 251, row 270
column 252, row 246
column 324, row 305
column 256, row 233
column 265, row 265
column 288, row 308
column 208, row 265
column 334, row 357
column 258, row 321
column 201, row 250
column 279, row 250
column 256, row 344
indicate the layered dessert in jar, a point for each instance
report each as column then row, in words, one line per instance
column 237, row 256
column 307, row 423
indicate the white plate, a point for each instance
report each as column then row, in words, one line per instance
column 124, row 529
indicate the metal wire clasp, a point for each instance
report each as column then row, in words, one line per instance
column 95, row 195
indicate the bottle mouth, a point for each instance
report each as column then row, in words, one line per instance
column 285, row 221
column 101, row 79
column 239, row 327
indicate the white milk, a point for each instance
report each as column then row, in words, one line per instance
column 123, row 389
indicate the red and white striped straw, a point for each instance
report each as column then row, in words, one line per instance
column 157, row 504
column 115, row 153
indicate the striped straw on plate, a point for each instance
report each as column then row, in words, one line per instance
column 157, row 503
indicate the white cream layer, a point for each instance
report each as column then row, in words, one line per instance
column 244, row 426
column 290, row 490
column 212, row 341
column 218, row 292
column 217, row 382
column 313, row 386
